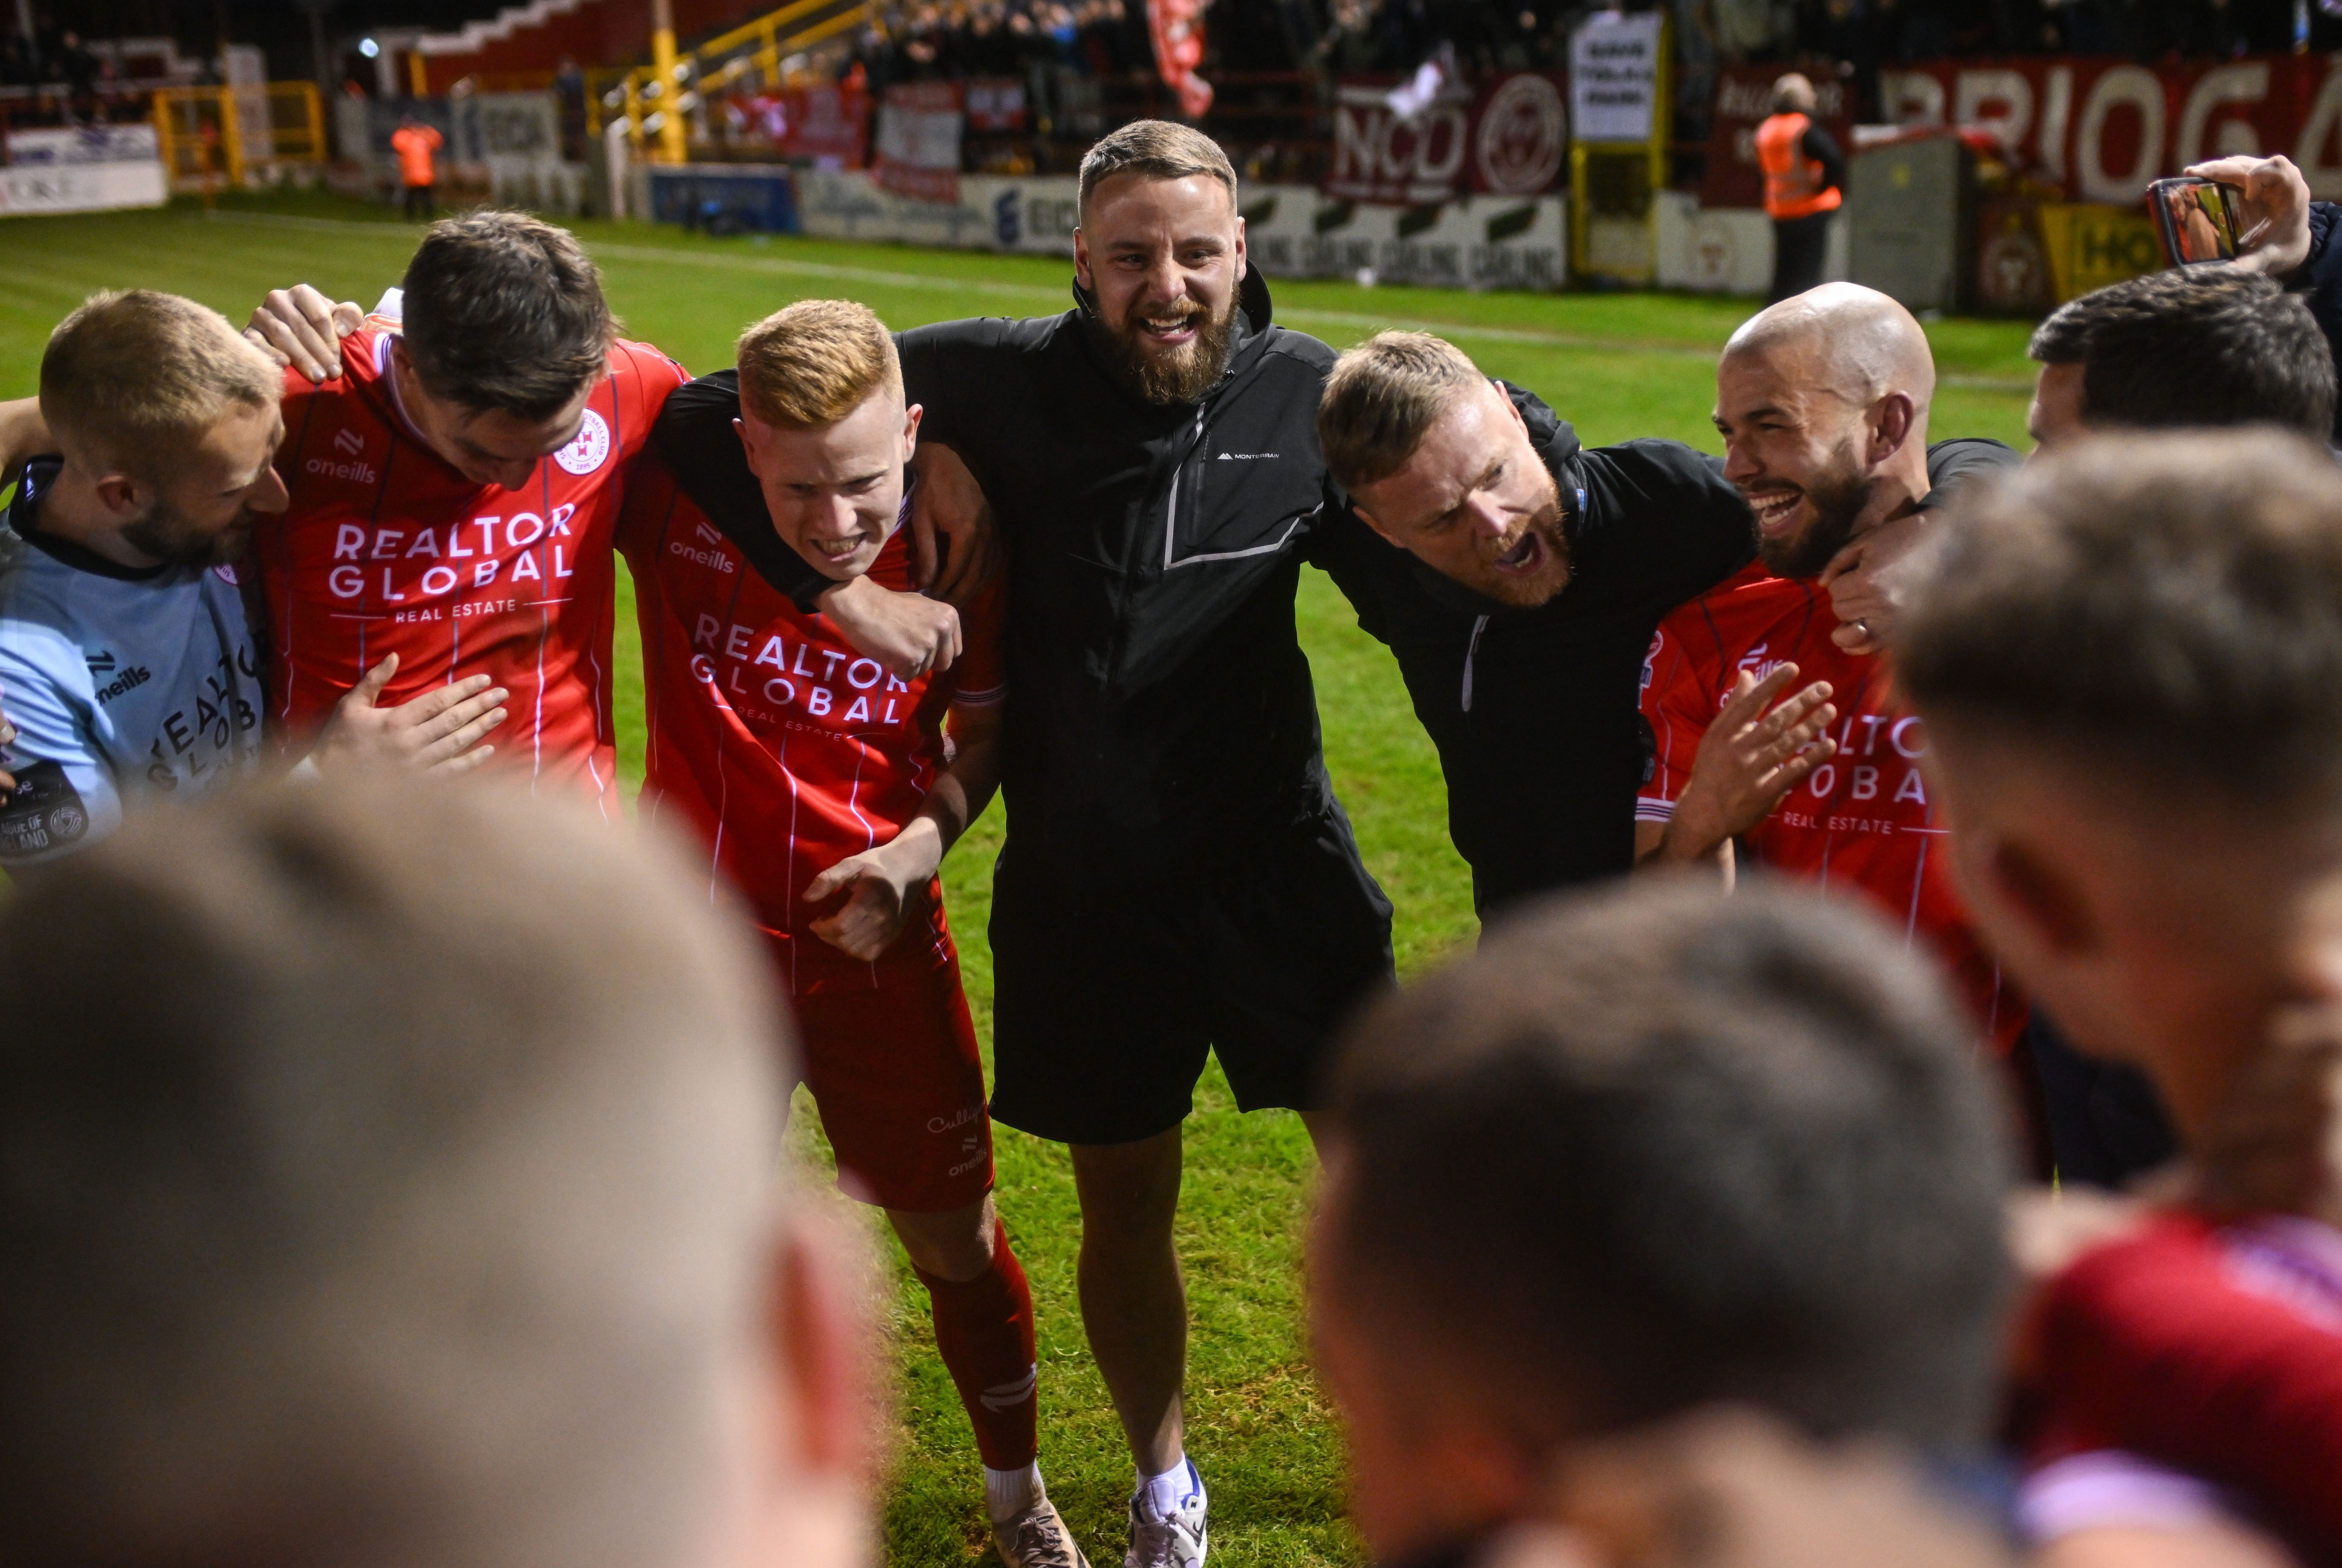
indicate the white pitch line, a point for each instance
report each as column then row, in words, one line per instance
column 938, row 282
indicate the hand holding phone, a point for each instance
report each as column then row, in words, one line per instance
column 2273, row 199
column 2199, row 219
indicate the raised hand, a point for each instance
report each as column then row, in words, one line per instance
column 1752, row 756
column 2273, row 204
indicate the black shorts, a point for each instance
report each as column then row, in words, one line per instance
column 1106, row 1004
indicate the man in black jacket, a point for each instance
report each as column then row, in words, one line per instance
column 1516, row 577
column 1177, row 875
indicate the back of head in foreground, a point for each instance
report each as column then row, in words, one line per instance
column 385, row 1178
column 1645, row 1150
column 2129, row 659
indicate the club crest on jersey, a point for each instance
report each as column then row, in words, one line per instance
column 587, row 453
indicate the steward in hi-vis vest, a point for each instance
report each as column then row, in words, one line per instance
column 1804, row 175
column 1796, row 184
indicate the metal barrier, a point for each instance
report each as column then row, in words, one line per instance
column 239, row 136
column 654, row 99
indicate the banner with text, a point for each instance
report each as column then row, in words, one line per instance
column 828, row 124
column 918, row 141
column 2100, row 128
column 1291, row 231
column 1614, row 75
column 1508, row 139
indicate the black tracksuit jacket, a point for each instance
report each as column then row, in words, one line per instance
column 1161, row 721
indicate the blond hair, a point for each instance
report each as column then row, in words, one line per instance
column 139, row 376
column 815, row 362
column 1383, row 398
column 1158, row 148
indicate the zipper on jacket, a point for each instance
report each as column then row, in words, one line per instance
column 1470, row 654
column 1171, row 510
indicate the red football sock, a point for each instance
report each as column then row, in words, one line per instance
column 983, row 1327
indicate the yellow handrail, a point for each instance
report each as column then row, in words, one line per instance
column 287, row 129
column 644, row 90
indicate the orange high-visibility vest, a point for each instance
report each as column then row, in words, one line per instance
column 415, row 144
column 1793, row 181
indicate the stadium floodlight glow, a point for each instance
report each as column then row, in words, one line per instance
column 369, row 48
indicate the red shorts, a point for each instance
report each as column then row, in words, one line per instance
column 894, row 1072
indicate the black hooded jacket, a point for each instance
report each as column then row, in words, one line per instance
column 1161, row 719
column 1536, row 712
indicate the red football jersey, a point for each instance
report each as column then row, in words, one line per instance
column 786, row 748
column 1863, row 818
column 2215, row 1351
column 386, row 549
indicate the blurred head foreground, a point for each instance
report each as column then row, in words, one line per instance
column 1641, row 1152
column 2129, row 660
column 389, row 1179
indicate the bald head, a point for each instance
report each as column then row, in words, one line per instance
column 1842, row 338
column 1822, row 401
column 1793, row 95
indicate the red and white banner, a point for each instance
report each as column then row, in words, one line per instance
column 1177, row 28
column 918, row 141
column 994, row 104
column 2101, row 129
column 1508, row 140
column 830, row 125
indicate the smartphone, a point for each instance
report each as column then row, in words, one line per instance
column 2197, row 219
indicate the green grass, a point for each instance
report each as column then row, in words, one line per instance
column 1617, row 366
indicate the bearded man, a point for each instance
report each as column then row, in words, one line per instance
column 1770, row 738
column 1178, row 877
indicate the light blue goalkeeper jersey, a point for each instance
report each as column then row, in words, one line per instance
column 123, row 685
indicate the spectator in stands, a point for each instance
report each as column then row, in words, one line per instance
column 1804, row 175
column 2196, row 345
column 1643, row 1151
column 2129, row 663
column 417, row 145
column 76, row 69
column 19, row 68
column 393, row 1179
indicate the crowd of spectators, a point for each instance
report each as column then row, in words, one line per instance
column 950, row 39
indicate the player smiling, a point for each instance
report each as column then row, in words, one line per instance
column 1822, row 401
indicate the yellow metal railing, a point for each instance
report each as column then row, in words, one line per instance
column 653, row 99
column 239, row 135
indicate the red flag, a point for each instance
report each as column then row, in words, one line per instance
column 1177, row 27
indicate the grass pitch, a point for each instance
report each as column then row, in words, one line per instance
column 1618, row 365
